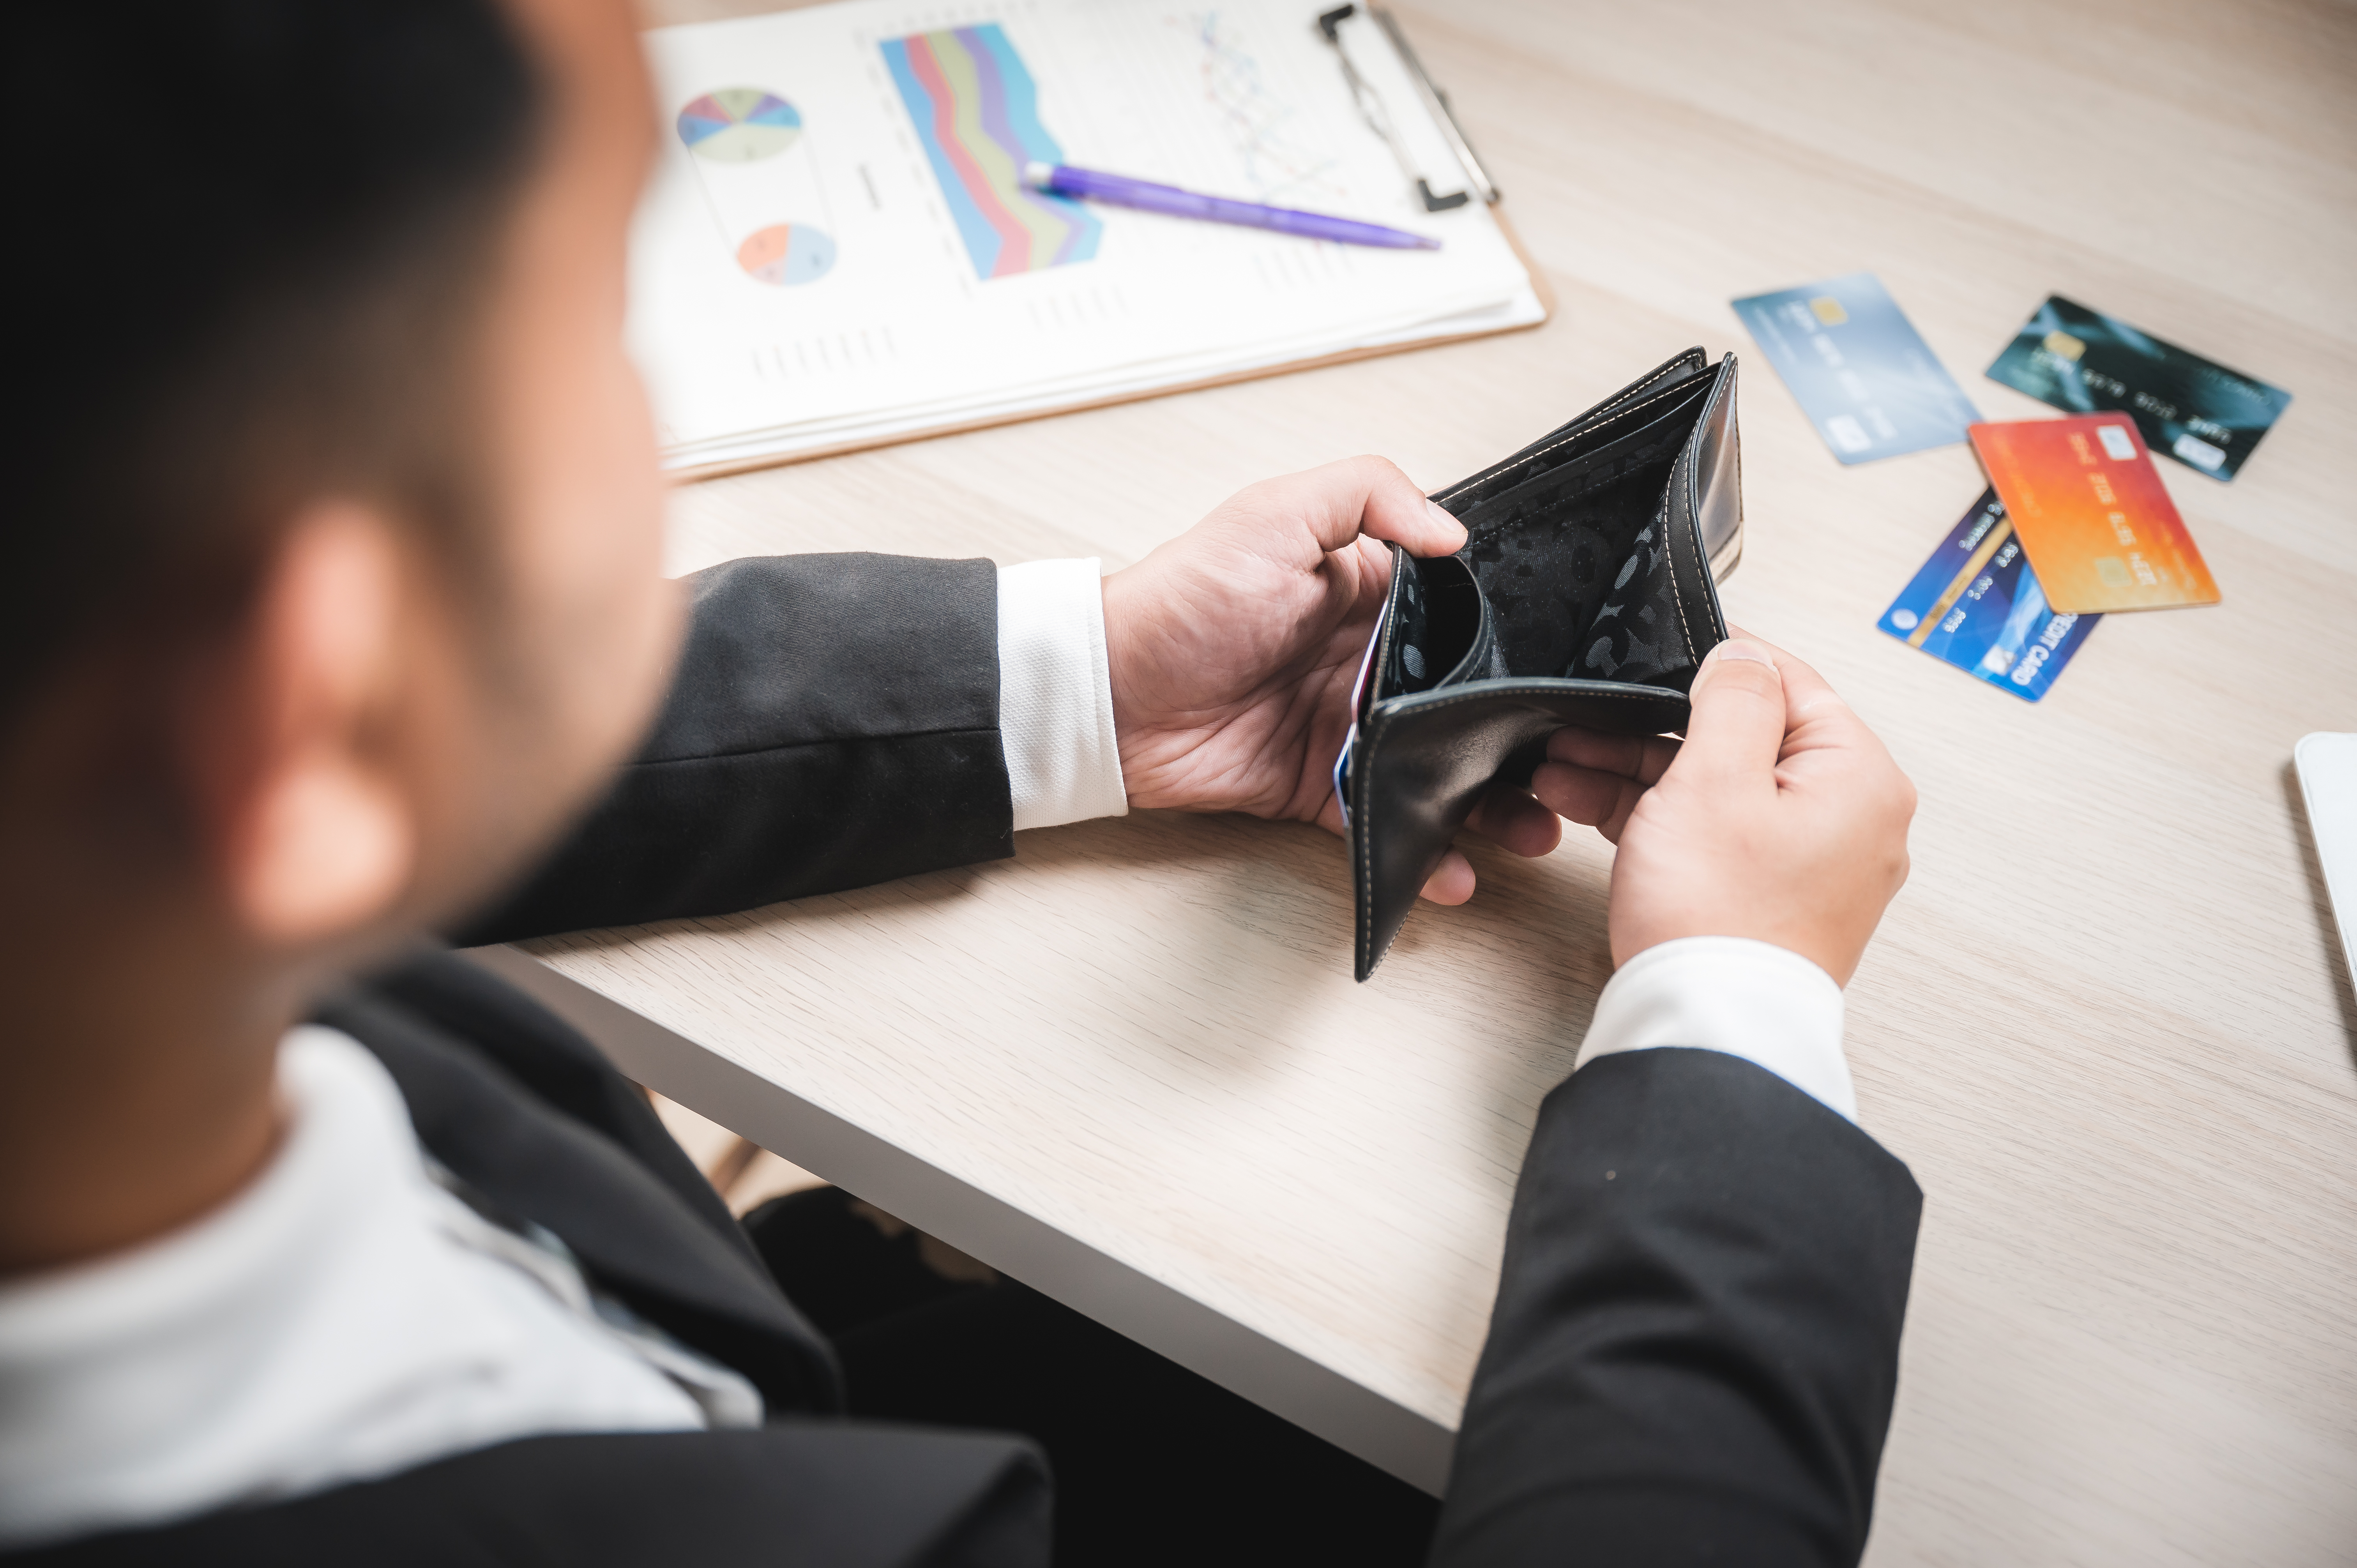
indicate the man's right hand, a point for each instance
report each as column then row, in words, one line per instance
column 1780, row 816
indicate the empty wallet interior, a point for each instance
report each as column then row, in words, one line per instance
column 1568, row 555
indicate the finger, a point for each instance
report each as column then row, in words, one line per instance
column 1737, row 724
column 1451, row 881
column 1596, row 799
column 1643, row 757
column 1329, row 816
column 1369, row 496
column 1510, row 819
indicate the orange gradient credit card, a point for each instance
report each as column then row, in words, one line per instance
column 2100, row 531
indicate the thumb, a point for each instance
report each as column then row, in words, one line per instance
column 1737, row 726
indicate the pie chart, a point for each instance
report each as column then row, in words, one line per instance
column 786, row 254
column 739, row 125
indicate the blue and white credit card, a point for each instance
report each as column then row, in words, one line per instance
column 1861, row 372
column 1978, row 606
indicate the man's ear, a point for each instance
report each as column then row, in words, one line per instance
column 315, row 835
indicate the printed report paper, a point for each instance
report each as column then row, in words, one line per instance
column 837, row 247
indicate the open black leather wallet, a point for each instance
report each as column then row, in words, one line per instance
column 1586, row 595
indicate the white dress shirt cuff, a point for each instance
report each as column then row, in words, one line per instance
column 1055, row 695
column 1750, row 999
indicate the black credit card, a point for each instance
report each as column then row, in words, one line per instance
column 2196, row 410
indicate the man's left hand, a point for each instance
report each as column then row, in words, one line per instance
column 1232, row 650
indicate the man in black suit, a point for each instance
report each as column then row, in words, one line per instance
column 335, row 603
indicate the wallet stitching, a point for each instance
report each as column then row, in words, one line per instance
column 1693, row 359
column 1693, row 510
column 1580, row 434
column 1694, row 547
column 1685, row 633
column 1366, row 826
column 1690, row 361
column 1651, row 693
column 1650, row 389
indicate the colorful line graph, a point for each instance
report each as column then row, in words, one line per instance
column 976, row 111
column 1260, row 123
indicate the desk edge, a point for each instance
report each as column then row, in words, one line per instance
column 1279, row 1379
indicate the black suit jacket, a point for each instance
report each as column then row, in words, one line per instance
column 1695, row 1347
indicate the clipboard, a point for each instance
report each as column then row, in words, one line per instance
column 941, row 102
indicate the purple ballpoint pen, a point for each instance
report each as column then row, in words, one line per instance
column 1065, row 180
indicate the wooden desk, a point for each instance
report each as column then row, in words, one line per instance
column 2105, row 1023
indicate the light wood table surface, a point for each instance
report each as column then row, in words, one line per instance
column 2105, row 1023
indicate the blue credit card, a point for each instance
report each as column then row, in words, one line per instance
column 1862, row 373
column 1977, row 605
column 2202, row 414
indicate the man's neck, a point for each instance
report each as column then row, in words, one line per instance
column 137, row 1100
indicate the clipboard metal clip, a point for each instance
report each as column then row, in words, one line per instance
column 1436, row 102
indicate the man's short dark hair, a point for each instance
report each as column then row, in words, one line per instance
column 252, row 238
